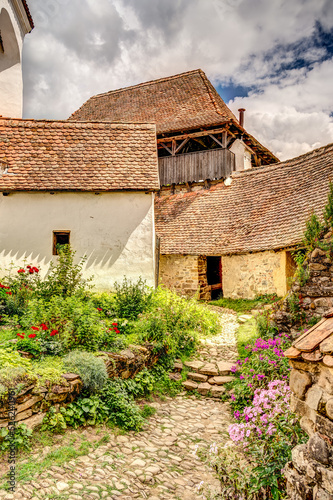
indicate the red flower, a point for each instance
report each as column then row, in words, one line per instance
column 54, row 332
column 44, row 327
column 21, row 335
column 116, row 330
column 21, row 271
column 99, row 309
column 31, row 271
column 8, row 293
column 29, row 267
column 114, row 324
column 35, row 269
column 35, row 328
column 32, row 335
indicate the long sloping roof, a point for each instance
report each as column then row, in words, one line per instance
column 39, row 155
column 178, row 102
column 262, row 209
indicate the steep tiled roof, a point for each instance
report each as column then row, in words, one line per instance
column 316, row 344
column 175, row 103
column 60, row 155
column 264, row 208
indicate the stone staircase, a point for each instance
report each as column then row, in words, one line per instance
column 205, row 378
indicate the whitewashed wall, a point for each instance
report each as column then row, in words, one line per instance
column 114, row 230
column 13, row 30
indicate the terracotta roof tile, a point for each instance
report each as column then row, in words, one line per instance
column 61, row 155
column 263, row 209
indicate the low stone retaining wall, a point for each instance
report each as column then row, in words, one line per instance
column 33, row 402
column 310, row 473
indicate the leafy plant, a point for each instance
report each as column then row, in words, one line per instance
column 313, row 232
column 122, row 409
column 131, row 298
column 20, row 438
column 91, row 369
column 54, row 421
column 85, row 411
column 328, row 211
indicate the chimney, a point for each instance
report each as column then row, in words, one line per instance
column 241, row 116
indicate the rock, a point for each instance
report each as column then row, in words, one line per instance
column 204, row 388
column 299, row 382
column 153, row 469
column 224, row 367
column 70, row 376
column 318, row 449
column 244, row 318
column 62, row 486
column 328, row 361
column 175, row 376
column 138, row 463
column 316, row 267
column 178, row 367
column 209, row 369
column 329, row 408
column 326, row 347
column 198, row 377
column 190, row 385
column 313, row 397
column 220, row 380
column 35, row 420
column 317, row 252
column 299, row 457
column 194, row 365
column 307, row 425
column 217, row 390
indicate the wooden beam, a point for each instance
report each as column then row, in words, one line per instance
column 174, row 144
column 224, row 139
column 216, row 140
column 189, row 186
column 194, row 134
column 166, row 147
column 182, row 145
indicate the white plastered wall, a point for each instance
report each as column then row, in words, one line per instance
column 242, row 155
column 11, row 85
column 114, row 230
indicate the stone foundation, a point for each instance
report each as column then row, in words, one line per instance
column 185, row 274
column 310, row 473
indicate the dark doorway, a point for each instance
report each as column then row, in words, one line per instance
column 214, row 276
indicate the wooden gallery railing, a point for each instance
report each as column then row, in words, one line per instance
column 194, row 167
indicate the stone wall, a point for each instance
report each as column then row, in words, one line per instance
column 310, row 473
column 313, row 293
column 185, row 274
column 33, row 402
column 247, row 275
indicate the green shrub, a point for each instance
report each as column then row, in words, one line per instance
column 106, row 302
column 328, row 211
column 131, row 298
column 30, row 346
column 54, row 421
column 20, row 439
column 313, row 232
column 85, row 411
column 91, row 369
column 122, row 409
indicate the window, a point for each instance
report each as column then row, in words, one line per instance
column 60, row 238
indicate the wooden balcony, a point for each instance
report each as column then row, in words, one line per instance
column 194, row 167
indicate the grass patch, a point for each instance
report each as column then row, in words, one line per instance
column 245, row 305
column 245, row 334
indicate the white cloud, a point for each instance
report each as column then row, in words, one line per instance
column 83, row 47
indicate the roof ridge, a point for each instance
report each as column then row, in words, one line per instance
column 75, row 123
column 149, row 82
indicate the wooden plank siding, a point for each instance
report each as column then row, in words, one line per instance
column 198, row 166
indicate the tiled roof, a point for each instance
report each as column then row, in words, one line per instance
column 264, row 208
column 316, row 344
column 179, row 102
column 43, row 155
column 26, row 8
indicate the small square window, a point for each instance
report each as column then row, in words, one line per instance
column 60, row 238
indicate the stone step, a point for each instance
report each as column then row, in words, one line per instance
column 198, row 377
column 220, row 380
column 204, row 388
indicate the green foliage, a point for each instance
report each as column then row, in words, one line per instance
column 106, row 302
column 85, row 411
column 172, row 322
column 246, row 332
column 264, row 324
column 313, row 321
column 313, row 232
column 245, row 305
column 91, row 369
column 65, row 277
column 122, row 408
column 131, row 298
column 295, row 307
column 54, row 421
column 20, row 439
column 328, row 211
column 29, row 345
column 148, row 411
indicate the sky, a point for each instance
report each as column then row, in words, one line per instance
column 272, row 57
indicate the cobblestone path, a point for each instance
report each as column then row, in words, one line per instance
column 158, row 463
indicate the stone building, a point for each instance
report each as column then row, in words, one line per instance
column 310, row 473
column 86, row 184
column 240, row 233
column 15, row 23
